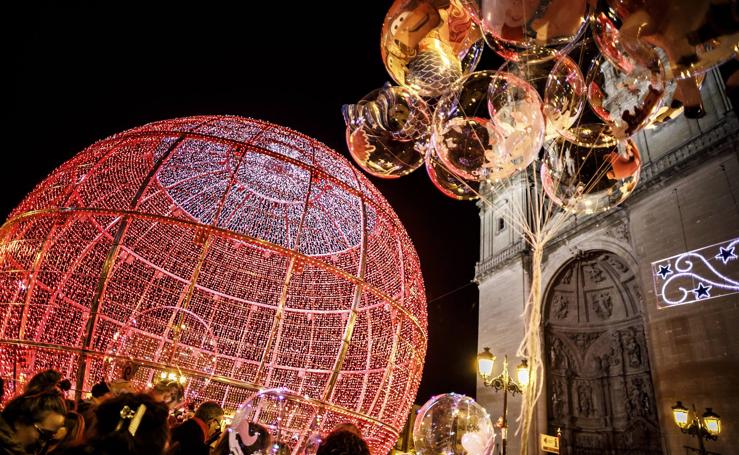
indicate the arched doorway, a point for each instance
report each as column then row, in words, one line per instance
column 599, row 385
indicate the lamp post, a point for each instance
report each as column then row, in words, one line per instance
column 707, row 426
column 504, row 382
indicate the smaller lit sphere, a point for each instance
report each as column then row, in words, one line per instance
column 426, row 47
column 464, row 136
column 625, row 102
column 452, row 424
column 586, row 180
column 285, row 414
column 564, row 96
column 387, row 132
column 530, row 31
column 515, row 108
column 447, row 182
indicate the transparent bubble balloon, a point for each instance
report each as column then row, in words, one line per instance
column 447, row 182
column 605, row 25
column 530, row 29
column 286, row 415
column 515, row 108
column 428, row 45
column 586, row 180
column 565, row 93
column 625, row 102
column 464, row 136
column 452, row 424
column 695, row 34
column 584, row 55
column 387, row 132
column 561, row 86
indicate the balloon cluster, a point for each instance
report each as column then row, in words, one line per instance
column 579, row 79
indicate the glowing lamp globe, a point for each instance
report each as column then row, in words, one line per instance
column 232, row 254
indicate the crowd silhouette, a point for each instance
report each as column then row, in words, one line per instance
column 117, row 420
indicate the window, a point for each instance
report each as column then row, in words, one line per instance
column 501, row 224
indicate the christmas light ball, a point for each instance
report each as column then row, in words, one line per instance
column 226, row 253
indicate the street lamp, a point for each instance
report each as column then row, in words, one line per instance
column 504, row 382
column 707, row 426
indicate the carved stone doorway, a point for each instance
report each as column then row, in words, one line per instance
column 599, row 385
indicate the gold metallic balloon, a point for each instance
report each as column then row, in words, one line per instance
column 447, row 182
column 426, row 45
column 529, row 30
column 586, row 180
column 387, row 132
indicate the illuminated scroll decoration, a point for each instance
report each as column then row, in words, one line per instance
column 706, row 273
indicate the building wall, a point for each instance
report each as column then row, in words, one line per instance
column 687, row 199
column 501, row 329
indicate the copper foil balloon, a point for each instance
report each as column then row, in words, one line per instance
column 564, row 96
column 388, row 131
column 515, row 108
column 427, row 45
column 695, row 34
column 453, row 424
column 529, row 29
column 625, row 102
column 464, row 136
column 585, row 180
column 447, row 182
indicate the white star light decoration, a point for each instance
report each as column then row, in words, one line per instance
column 706, row 273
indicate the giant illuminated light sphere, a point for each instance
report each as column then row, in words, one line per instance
column 238, row 253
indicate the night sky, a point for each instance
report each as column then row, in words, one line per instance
column 84, row 72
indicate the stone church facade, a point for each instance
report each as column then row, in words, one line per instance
column 615, row 361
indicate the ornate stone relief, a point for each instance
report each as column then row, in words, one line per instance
column 602, row 305
column 594, row 273
column 598, row 376
column 620, row 230
column 560, row 306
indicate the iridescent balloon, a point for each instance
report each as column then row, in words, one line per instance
column 464, row 136
column 427, row 45
column 564, row 96
column 515, row 108
column 447, row 182
column 695, row 34
column 387, row 132
column 453, row 424
column 625, row 102
column 586, row 180
column 530, row 29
